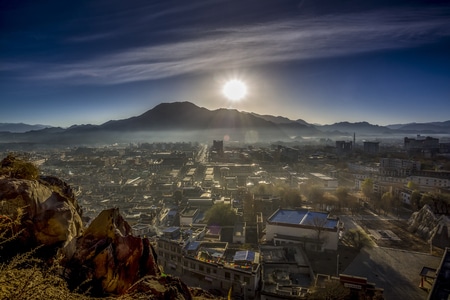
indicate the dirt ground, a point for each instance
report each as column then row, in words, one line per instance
column 408, row 241
column 329, row 262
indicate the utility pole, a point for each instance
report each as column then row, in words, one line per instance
column 337, row 265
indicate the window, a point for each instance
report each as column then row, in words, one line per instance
column 201, row 268
column 227, row 275
column 247, row 280
column 185, row 263
column 192, row 265
column 208, row 270
column 237, row 277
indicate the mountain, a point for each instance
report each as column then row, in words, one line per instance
column 361, row 128
column 21, row 127
column 185, row 121
column 432, row 127
column 290, row 127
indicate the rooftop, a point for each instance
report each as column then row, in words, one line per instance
column 303, row 217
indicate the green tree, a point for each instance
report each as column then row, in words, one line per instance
column 220, row 214
column 412, row 185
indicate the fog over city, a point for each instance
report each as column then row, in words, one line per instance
column 225, row 149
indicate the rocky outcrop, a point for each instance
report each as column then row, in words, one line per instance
column 430, row 227
column 107, row 257
column 46, row 211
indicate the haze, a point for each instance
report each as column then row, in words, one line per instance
column 320, row 61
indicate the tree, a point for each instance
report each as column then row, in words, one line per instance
column 330, row 200
column 220, row 214
column 357, row 238
column 412, row 185
column 318, row 224
column 415, row 199
column 316, row 195
column 427, row 199
column 291, row 198
column 343, row 195
column 387, row 201
column 367, row 188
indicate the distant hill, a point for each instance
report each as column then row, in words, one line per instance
column 185, row 121
column 361, row 128
column 292, row 128
column 432, row 127
column 21, row 127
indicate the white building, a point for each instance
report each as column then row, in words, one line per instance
column 314, row 230
column 327, row 182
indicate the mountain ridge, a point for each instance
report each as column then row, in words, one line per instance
column 176, row 121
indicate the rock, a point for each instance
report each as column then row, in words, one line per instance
column 428, row 226
column 108, row 257
column 50, row 214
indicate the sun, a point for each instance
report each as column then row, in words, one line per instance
column 234, row 90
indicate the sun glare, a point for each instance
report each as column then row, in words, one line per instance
column 234, row 90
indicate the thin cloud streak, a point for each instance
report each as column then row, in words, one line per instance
column 258, row 44
column 135, row 19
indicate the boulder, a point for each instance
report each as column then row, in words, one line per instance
column 430, row 227
column 45, row 210
column 107, row 258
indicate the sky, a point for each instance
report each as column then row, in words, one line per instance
column 323, row 61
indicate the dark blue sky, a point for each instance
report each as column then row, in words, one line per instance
column 76, row 62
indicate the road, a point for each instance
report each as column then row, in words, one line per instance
column 392, row 265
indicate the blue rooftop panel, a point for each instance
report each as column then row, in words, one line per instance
column 303, row 217
column 289, row 216
column 244, row 256
column 170, row 229
column 192, row 246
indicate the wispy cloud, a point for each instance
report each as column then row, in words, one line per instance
column 258, row 44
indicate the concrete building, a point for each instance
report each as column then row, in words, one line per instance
column 210, row 265
column 425, row 146
column 371, row 147
column 343, row 147
column 441, row 285
column 313, row 230
column 327, row 182
column 286, row 273
column 398, row 167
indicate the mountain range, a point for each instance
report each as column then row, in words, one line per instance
column 184, row 121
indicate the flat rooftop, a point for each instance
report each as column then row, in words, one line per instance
column 303, row 217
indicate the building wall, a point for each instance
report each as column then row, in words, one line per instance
column 430, row 182
column 215, row 276
column 330, row 238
